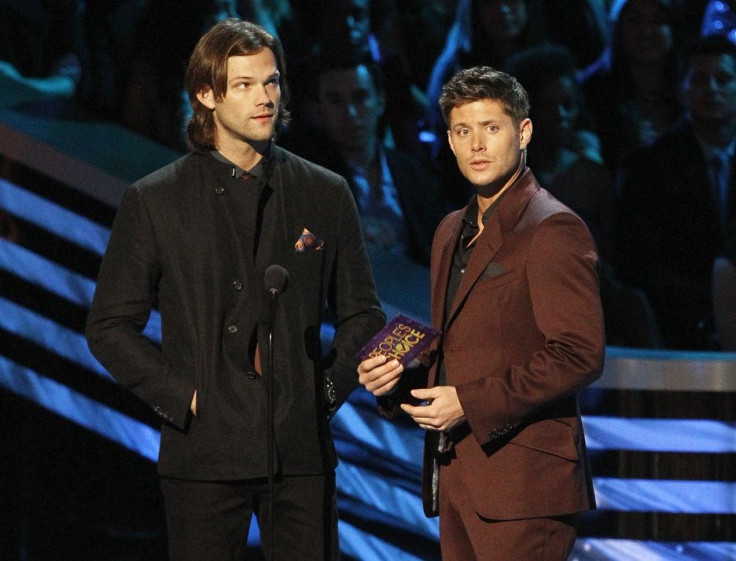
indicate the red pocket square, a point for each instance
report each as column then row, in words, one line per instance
column 308, row 241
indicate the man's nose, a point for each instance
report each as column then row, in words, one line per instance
column 478, row 143
column 264, row 97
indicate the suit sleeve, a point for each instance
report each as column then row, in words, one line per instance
column 562, row 281
column 352, row 299
column 124, row 297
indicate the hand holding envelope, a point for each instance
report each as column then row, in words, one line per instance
column 392, row 349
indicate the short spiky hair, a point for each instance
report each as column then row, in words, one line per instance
column 483, row 82
column 208, row 70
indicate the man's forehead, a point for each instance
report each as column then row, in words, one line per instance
column 346, row 79
column 479, row 107
column 257, row 59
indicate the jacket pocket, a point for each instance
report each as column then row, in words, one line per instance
column 550, row 436
column 491, row 282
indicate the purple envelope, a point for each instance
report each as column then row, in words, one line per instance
column 402, row 338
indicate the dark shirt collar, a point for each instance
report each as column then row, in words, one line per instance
column 256, row 172
column 470, row 218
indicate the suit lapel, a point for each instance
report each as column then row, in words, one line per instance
column 442, row 274
column 502, row 220
column 486, row 247
column 279, row 248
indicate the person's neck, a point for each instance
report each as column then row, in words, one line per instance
column 488, row 195
column 647, row 77
column 362, row 156
column 715, row 134
column 245, row 155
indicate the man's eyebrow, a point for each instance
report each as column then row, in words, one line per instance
column 248, row 78
column 482, row 123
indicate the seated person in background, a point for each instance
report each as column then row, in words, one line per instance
column 484, row 33
column 632, row 89
column 155, row 102
column 675, row 209
column 566, row 158
column 579, row 25
column 398, row 195
column 565, row 153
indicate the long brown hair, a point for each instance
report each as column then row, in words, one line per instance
column 207, row 69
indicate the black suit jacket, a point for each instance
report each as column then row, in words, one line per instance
column 667, row 234
column 175, row 240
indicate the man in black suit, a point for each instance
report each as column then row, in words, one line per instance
column 195, row 239
column 677, row 201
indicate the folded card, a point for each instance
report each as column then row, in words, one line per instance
column 403, row 338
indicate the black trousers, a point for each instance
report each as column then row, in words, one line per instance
column 209, row 520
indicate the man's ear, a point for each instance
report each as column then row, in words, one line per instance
column 206, row 97
column 525, row 133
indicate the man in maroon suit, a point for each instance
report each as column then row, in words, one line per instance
column 515, row 294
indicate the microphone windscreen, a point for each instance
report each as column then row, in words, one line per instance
column 276, row 278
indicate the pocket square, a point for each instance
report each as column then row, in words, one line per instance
column 493, row 270
column 308, row 241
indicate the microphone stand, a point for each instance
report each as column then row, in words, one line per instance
column 275, row 279
column 271, row 445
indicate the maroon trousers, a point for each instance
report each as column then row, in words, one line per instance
column 466, row 536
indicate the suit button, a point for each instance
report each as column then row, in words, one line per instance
column 251, row 375
column 237, row 286
column 219, row 190
column 232, row 328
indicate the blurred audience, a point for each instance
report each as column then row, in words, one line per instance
column 579, row 25
column 633, row 88
column 607, row 96
column 41, row 44
column 485, row 32
column 41, row 37
column 397, row 194
column 675, row 207
column 565, row 156
column 109, row 28
column 155, row 103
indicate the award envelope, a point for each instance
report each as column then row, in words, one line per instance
column 403, row 338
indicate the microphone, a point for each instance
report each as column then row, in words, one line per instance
column 275, row 280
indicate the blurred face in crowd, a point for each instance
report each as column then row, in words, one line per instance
column 556, row 110
column 348, row 24
column 350, row 106
column 487, row 143
column 646, row 33
column 248, row 110
column 502, row 18
column 709, row 89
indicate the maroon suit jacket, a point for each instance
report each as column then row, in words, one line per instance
column 524, row 334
